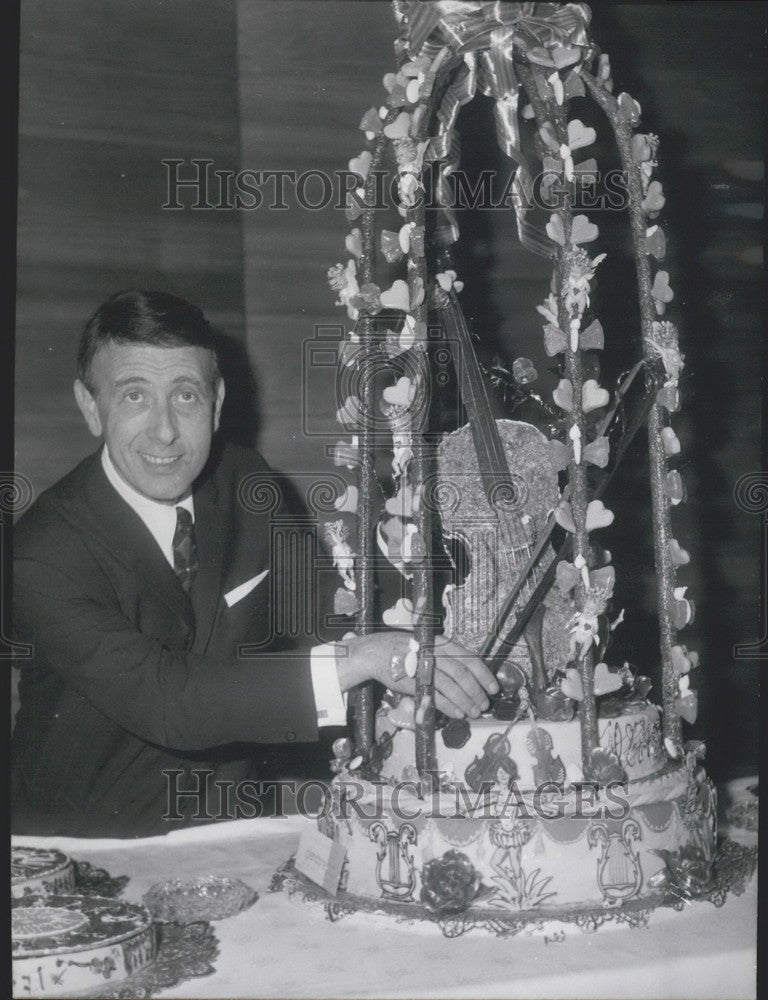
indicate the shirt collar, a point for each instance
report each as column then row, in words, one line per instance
column 160, row 518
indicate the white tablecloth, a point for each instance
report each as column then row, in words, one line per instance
column 280, row 948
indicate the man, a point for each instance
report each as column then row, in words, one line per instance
column 137, row 579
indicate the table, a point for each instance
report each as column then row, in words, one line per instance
column 280, row 948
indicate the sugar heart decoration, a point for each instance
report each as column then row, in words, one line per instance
column 670, row 441
column 399, row 128
column 598, row 515
column 354, row 243
column 687, row 707
column 361, row 164
column 571, row 685
column 559, row 455
column 347, row 502
column 573, row 86
column 605, row 681
column 400, row 615
column 593, row 396
column 350, row 415
column 354, row 207
column 682, row 611
column 656, row 242
column 344, row 602
column 396, row 297
column 389, row 80
column 400, row 394
column 582, row 230
column 566, row 577
column 674, row 487
column 681, row 663
column 660, row 289
column 604, row 577
column 398, row 95
column 445, row 279
column 629, row 108
column 592, row 339
column 371, row 123
column 580, row 135
column 411, row 664
column 412, row 91
column 555, row 229
column 346, row 454
column 403, row 715
column 404, row 236
column 654, row 199
column 390, row 246
column 555, row 341
column 563, row 394
column 642, row 150
column 669, row 397
column 565, row 55
column 597, row 452
column 564, row 516
column 400, row 505
column 678, row 555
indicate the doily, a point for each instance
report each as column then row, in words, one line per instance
column 91, row 881
column 186, row 952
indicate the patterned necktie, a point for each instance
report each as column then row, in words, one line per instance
column 184, row 548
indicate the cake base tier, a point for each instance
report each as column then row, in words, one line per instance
column 733, row 866
column 581, row 847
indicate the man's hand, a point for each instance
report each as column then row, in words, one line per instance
column 462, row 681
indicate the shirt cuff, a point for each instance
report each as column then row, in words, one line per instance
column 330, row 701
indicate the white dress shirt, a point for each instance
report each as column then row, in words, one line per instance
column 160, row 519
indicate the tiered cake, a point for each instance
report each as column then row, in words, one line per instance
column 574, row 792
column 530, row 841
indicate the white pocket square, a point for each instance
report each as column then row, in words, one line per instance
column 245, row 588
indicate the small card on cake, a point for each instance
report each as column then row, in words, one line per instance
column 320, row 859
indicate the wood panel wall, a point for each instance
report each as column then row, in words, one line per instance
column 108, row 90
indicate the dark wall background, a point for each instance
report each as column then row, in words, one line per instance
column 110, row 89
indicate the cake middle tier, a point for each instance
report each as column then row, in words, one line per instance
column 530, row 753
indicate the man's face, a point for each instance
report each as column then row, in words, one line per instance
column 157, row 408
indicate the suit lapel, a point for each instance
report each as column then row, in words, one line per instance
column 125, row 534
column 211, row 539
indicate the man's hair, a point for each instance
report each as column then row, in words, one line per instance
column 156, row 318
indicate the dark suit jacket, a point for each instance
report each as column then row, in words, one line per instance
column 130, row 676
